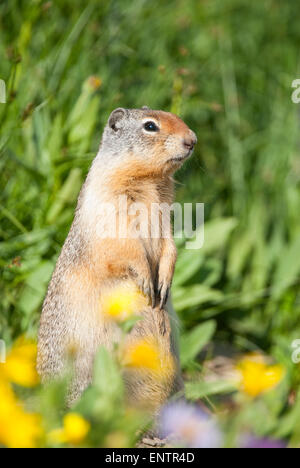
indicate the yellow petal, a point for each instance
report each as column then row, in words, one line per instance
column 76, row 428
column 18, row 429
column 20, row 365
column 95, row 82
column 142, row 354
column 146, row 354
column 123, row 302
column 256, row 377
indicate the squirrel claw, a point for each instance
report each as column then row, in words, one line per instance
column 151, row 294
column 148, row 289
column 163, row 295
column 145, row 285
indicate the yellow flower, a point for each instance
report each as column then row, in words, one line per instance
column 18, row 429
column 147, row 355
column 257, row 377
column 75, row 430
column 123, row 302
column 20, row 365
column 95, row 82
column 142, row 354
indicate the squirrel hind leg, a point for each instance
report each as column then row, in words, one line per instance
column 151, row 385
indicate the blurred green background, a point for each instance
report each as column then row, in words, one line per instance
column 226, row 67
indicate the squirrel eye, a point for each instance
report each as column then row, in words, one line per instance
column 151, row 127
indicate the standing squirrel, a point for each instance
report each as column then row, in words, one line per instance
column 139, row 152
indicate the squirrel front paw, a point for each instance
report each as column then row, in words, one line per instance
column 166, row 272
column 163, row 292
column 145, row 283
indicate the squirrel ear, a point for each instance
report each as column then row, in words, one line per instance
column 115, row 117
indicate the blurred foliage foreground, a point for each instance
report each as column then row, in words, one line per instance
column 226, row 67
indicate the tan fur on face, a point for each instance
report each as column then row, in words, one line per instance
column 171, row 124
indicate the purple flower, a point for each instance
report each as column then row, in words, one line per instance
column 263, row 443
column 188, row 425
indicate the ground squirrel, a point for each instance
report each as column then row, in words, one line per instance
column 139, row 152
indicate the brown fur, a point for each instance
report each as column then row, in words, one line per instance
column 139, row 165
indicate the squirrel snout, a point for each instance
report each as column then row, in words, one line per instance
column 190, row 141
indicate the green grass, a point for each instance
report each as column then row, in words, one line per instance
column 226, row 67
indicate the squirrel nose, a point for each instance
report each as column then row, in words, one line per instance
column 190, row 141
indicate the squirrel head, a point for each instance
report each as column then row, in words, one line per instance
column 151, row 139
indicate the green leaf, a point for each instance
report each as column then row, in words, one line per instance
column 217, row 233
column 193, row 342
column 289, row 422
column 35, row 287
column 197, row 390
column 188, row 264
column 67, row 194
column 81, row 132
column 210, row 272
column 192, row 296
column 106, row 373
column 128, row 325
column 288, row 268
column 14, row 245
column 105, row 395
column 239, row 252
